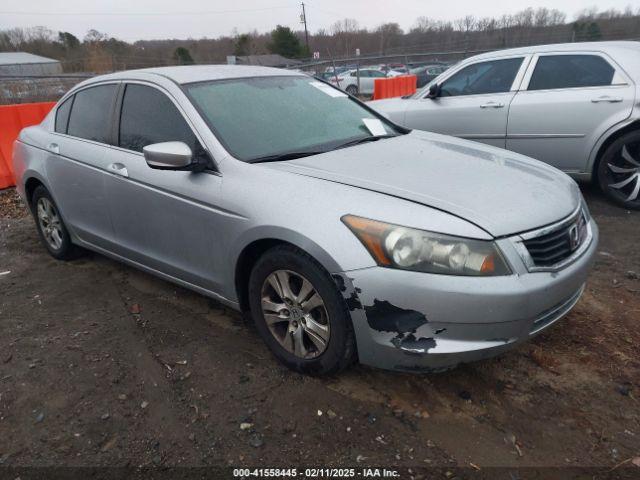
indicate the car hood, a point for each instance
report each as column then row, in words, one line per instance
column 500, row 191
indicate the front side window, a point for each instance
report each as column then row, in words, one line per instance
column 149, row 116
column 571, row 71
column 495, row 76
column 91, row 113
column 264, row 116
column 62, row 115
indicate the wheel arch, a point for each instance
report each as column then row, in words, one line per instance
column 257, row 242
column 30, row 185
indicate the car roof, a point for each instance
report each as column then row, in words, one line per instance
column 198, row 73
column 564, row 47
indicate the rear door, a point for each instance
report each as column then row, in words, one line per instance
column 167, row 220
column 567, row 101
column 474, row 101
column 77, row 164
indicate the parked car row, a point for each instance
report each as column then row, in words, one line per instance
column 347, row 78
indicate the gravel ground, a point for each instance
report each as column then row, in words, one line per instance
column 102, row 365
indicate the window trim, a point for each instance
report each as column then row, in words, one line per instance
column 618, row 72
column 515, row 85
column 118, row 114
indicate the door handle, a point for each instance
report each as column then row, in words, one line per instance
column 492, row 105
column 118, row 169
column 53, row 148
column 606, row 98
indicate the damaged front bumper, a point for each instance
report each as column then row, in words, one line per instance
column 416, row 321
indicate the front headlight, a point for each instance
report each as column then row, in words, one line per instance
column 410, row 249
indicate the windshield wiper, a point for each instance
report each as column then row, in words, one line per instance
column 358, row 141
column 307, row 153
column 286, row 156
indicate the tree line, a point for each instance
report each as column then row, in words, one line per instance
column 99, row 52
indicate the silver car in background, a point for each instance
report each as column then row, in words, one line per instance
column 575, row 106
column 340, row 233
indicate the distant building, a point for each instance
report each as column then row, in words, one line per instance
column 271, row 60
column 21, row 63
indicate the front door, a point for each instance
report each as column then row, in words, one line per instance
column 569, row 102
column 473, row 102
column 167, row 220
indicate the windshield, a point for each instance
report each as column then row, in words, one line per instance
column 263, row 117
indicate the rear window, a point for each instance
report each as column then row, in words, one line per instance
column 91, row 113
column 62, row 115
column 571, row 71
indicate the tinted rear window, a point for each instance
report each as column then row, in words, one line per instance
column 570, row 71
column 91, row 113
column 62, row 115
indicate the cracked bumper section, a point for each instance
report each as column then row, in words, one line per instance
column 424, row 322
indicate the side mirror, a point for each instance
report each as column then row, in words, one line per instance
column 168, row 156
column 434, row 91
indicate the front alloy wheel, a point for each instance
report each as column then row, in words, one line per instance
column 619, row 171
column 295, row 314
column 299, row 312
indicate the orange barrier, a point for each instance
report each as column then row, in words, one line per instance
column 394, row 87
column 14, row 118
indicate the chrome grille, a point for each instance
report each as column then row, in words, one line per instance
column 552, row 247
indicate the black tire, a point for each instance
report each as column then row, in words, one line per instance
column 352, row 90
column 66, row 250
column 340, row 348
column 613, row 157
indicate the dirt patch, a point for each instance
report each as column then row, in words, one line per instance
column 104, row 365
column 10, row 204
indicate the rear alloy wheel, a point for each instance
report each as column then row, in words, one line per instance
column 352, row 90
column 299, row 312
column 619, row 171
column 51, row 227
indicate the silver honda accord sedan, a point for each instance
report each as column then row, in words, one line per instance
column 342, row 235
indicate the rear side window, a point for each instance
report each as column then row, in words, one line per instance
column 91, row 113
column 62, row 115
column 571, row 71
column 495, row 76
column 148, row 116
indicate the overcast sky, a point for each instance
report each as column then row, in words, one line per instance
column 147, row 19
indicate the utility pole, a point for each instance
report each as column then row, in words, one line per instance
column 303, row 19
